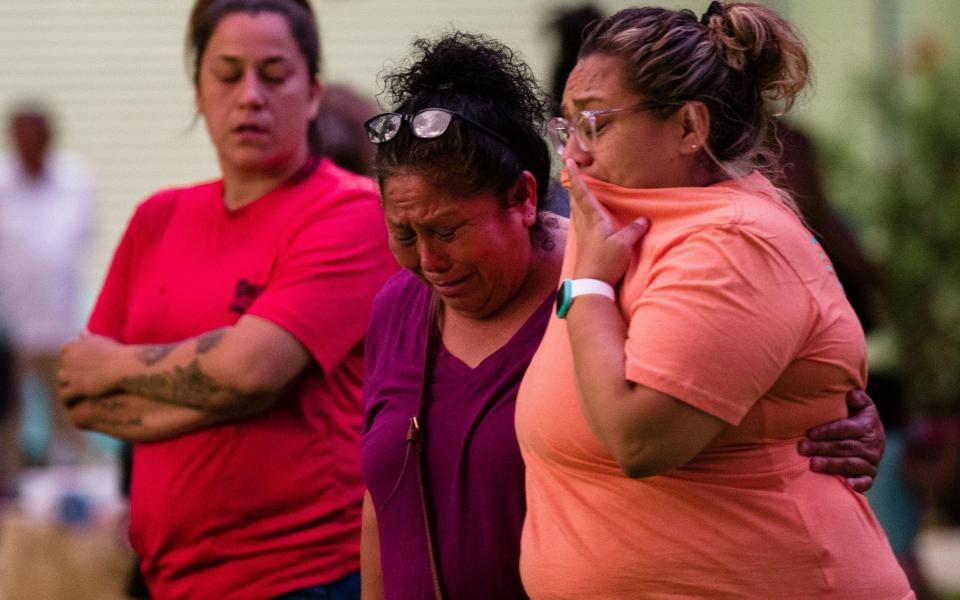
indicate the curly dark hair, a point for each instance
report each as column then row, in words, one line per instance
column 485, row 81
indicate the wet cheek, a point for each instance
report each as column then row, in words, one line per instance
column 406, row 257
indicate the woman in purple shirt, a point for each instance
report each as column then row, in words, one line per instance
column 464, row 173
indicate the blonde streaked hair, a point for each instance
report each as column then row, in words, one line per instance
column 743, row 61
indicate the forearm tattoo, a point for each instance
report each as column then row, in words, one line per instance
column 100, row 423
column 154, row 353
column 113, row 423
column 184, row 386
column 209, row 340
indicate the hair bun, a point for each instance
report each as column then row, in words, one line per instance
column 466, row 64
column 757, row 41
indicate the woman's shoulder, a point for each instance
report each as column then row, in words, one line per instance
column 339, row 182
column 749, row 208
column 157, row 208
column 174, row 194
column 402, row 299
column 403, row 287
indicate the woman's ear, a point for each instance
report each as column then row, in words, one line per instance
column 694, row 117
column 525, row 198
column 316, row 96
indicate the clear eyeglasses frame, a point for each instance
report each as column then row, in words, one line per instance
column 583, row 126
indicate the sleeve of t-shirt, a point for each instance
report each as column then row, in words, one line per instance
column 149, row 221
column 721, row 318
column 376, row 328
column 326, row 276
column 109, row 314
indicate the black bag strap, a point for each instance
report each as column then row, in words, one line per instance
column 416, row 436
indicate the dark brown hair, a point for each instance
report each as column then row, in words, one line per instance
column 743, row 61
column 298, row 14
column 484, row 80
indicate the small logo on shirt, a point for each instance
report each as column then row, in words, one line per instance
column 244, row 295
column 824, row 258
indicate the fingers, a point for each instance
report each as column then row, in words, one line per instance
column 864, row 420
column 858, row 400
column 847, row 467
column 632, row 233
column 860, row 484
column 71, row 403
column 67, row 395
column 66, row 392
column 843, row 429
column 867, row 448
column 583, row 202
column 578, row 185
column 839, row 449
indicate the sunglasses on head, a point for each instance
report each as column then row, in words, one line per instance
column 426, row 124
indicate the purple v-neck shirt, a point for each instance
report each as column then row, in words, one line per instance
column 475, row 470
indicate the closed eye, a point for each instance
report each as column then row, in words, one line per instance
column 274, row 73
column 601, row 122
column 231, row 77
column 446, row 235
column 405, row 237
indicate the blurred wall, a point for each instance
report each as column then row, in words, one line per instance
column 113, row 71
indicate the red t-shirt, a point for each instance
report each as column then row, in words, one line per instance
column 263, row 506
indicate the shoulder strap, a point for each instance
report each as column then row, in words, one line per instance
column 416, row 435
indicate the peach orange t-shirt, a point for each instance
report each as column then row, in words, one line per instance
column 734, row 309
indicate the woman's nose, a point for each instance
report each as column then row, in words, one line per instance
column 576, row 152
column 251, row 90
column 433, row 259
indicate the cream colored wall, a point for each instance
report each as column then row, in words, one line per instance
column 113, row 71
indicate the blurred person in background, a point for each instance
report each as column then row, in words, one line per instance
column 9, row 448
column 227, row 338
column 801, row 177
column 567, row 26
column 340, row 122
column 45, row 224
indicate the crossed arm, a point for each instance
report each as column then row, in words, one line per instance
column 153, row 392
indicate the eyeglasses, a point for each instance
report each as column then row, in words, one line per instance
column 426, row 124
column 583, row 127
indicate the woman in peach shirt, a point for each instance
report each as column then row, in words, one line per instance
column 658, row 421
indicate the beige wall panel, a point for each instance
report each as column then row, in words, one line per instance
column 113, row 71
